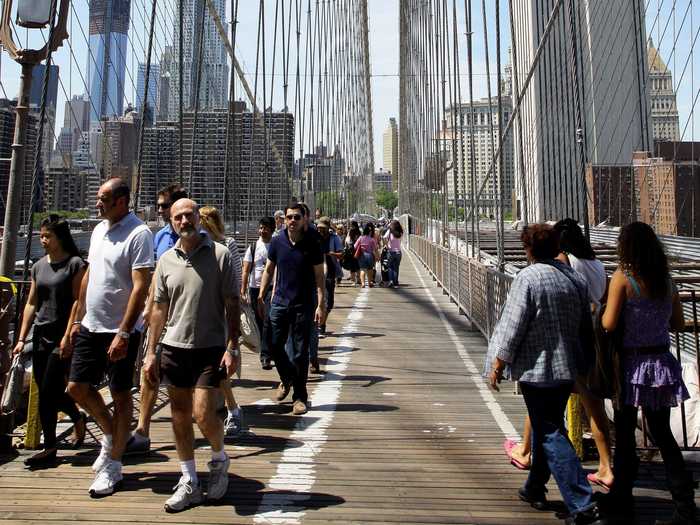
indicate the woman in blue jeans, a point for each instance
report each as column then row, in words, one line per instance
column 392, row 238
column 539, row 338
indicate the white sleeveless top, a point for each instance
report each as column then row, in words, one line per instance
column 593, row 272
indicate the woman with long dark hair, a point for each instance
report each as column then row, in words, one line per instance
column 55, row 287
column 392, row 238
column 643, row 303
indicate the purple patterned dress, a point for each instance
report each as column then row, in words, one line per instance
column 651, row 380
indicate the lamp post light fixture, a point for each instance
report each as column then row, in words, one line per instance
column 33, row 14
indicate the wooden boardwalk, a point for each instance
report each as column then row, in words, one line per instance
column 399, row 432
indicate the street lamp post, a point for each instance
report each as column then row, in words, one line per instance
column 30, row 14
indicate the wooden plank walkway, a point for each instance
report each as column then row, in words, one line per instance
column 399, row 432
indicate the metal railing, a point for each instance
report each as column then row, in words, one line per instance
column 478, row 290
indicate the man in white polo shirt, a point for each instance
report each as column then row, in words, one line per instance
column 195, row 300
column 107, row 335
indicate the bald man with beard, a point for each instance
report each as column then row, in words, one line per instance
column 195, row 301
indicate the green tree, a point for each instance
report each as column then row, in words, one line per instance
column 38, row 217
column 386, row 199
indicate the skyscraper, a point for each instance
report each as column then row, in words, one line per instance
column 153, row 80
column 605, row 86
column 213, row 92
column 38, row 86
column 662, row 98
column 109, row 25
column 391, row 152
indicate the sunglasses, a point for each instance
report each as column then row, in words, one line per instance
column 164, row 205
column 295, row 217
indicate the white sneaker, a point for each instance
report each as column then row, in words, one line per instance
column 106, row 480
column 218, row 478
column 187, row 495
column 101, row 461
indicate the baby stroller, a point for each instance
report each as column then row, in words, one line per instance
column 384, row 263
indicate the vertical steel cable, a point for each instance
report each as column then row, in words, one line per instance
column 516, row 94
column 142, row 125
column 476, row 234
column 37, row 157
column 200, row 57
column 231, row 124
column 502, row 138
column 181, row 141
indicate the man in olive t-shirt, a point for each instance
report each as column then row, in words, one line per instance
column 195, row 298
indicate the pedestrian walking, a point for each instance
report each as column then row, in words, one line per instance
column 213, row 224
column 577, row 252
column 392, row 238
column 140, row 441
column 296, row 257
column 349, row 260
column 106, row 331
column 196, row 302
column 365, row 248
column 539, row 337
column 643, row 304
column 254, row 261
column 279, row 222
column 55, row 288
column 332, row 249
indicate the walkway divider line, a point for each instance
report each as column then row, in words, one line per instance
column 486, row 394
column 296, row 472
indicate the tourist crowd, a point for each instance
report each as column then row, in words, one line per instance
column 178, row 296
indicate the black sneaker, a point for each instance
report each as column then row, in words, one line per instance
column 588, row 517
column 266, row 364
column 537, row 501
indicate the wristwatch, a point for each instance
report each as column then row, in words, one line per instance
column 123, row 334
column 233, row 352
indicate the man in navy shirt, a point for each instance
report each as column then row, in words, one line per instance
column 296, row 255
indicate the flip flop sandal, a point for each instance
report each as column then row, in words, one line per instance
column 592, row 478
column 508, row 446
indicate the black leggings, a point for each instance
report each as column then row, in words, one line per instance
column 50, row 373
column 626, row 462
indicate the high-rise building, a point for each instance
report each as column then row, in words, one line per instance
column 159, row 163
column 38, row 86
column 662, row 98
column 76, row 120
column 391, row 152
column 256, row 174
column 64, row 188
column 118, row 146
column 483, row 133
column 153, row 81
column 109, row 26
column 213, row 92
column 7, row 129
column 606, row 86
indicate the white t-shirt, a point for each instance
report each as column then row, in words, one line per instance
column 114, row 253
column 258, row 264
column 594, row 272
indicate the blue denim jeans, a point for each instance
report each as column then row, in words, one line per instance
column 394, row 263
column 313, row 333
column 293, row 323
column 552, row 452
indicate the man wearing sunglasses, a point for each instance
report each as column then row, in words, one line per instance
column 296, row 255
column 140, row 441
